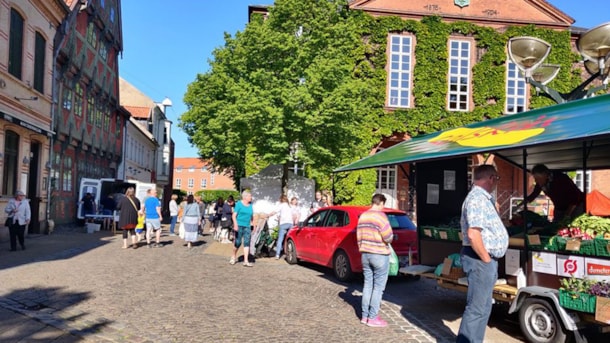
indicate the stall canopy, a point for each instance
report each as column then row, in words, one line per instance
column 562, row 136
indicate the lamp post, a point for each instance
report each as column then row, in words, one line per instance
column 529, row 53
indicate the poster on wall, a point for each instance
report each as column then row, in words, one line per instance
column 513, row 264
column 449, row 180
column 544, row 262
column 433, row 194
column 570, row 265
column 24, row 183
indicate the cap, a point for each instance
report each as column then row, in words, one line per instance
column 19, row 193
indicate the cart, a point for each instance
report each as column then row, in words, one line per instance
column 569, row 136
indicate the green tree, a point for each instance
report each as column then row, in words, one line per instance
column 300, row 77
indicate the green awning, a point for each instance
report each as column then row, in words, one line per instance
column 559, row 136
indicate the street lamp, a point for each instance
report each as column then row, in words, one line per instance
column 529, row 53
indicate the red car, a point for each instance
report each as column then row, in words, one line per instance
column 328, row 238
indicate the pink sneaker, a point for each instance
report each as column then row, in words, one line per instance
column 377, row 322
column 364, row 320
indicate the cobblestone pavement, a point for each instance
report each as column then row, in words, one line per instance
column 72, row 286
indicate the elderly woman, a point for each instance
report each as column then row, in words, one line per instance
column 243, row 216
column 19, row 215
column 173, row 214
column 128, row 217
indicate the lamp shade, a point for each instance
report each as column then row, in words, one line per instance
column 592, row 67
column 528, row 52
column 595, row 43
column 545, row 73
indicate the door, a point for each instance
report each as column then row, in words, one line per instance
column 306, row 246
column 93, row 186
column 331, row 235
column 33, row 188
column 386, row 185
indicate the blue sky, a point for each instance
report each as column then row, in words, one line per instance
column 166, row 44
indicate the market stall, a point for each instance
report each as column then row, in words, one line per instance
column 571, row 136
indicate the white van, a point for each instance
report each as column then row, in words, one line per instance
column 101, row 188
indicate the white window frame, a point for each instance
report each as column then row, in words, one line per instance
column 578, row 180
column 212, row 179
column 516, row 89
column 459, row 77
column 179, row 169
column 204, row 183
column 178, row 183
column 400, row 71
column 191, row 183
column 192, row 169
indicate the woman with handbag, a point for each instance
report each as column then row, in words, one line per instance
column 191, row 221
column 128, row 217
column 19, row 215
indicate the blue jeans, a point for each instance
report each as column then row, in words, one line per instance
column 375, row 269
column 280, row 238
column 481, row 280
column 172, row 224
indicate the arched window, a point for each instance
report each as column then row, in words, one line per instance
column 11, row 160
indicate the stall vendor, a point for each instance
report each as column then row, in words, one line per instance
column 568, row 200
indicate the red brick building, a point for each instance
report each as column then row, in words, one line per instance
column 192, row 174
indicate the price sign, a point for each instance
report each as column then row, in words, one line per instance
column 573, row 245
column 443, row 234
column 534, row 239
column 428, row 232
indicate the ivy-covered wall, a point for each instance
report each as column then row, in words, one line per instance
column 429, row 113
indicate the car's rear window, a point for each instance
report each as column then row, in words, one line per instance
column 400, row 221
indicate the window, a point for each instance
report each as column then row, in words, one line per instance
column 578, row 180
column 204, row 183
column 515, row 89
column 39, row 60
column 67, row 101
column 386, row 178
column 204, row 169
column 78, row 100
column 178, row 183
column 11, row 159
column 191, row 183
column 399, row 77
column 192, row 169
column 212, row 179
column 98, row 115
column 67, row 175
column 91, row 35
column 459, row 75
column 91, row 109
column 179, row 169
column 15, row 45
column 103, row 52
column 112, row 15
column 106, row 117
column 119, row 125
column 165, row 135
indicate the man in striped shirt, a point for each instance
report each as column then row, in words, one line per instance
column 374, row 233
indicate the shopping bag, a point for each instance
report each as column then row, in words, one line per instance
column 393, row 262
column 181, row 230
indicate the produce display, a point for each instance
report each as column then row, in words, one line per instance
column 587, row 227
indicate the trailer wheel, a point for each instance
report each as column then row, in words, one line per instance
column 540, row 323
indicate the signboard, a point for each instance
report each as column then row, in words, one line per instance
column 512, row 262
column 544, row 262
column 570, row 265
column 24, row 124
column 597, row 269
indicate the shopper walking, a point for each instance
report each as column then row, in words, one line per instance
column 242, row 222
column 129, row 207
column 19, row 216
column 173, row 214
column 286, row 221
column 191, row 220
column 152, row 210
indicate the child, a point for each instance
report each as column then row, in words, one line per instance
column 140, row 225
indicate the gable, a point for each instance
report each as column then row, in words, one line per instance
column 494, row 13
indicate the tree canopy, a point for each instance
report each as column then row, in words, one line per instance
column 301, row 76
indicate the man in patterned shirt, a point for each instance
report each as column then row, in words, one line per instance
column 374, row 233
column 485, row 241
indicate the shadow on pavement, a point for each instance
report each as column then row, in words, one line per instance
column 57, row 246
column 47, row 307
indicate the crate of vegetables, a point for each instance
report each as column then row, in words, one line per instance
column 575, row 240
column 577, row 301
column 602, row 246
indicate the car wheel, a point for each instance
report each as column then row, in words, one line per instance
column 539, row 322
column 341, row 266
column 291, row 252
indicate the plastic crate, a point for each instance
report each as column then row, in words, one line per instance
column 587, row 247
column 428, row 231
column 546, row 243
column 602, row 247
column 582, row 302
